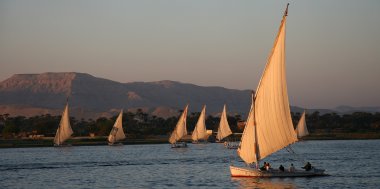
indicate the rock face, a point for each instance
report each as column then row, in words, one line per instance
column 53, row 83
column 36, row 90
column 47, row 92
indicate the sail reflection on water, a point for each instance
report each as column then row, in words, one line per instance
column 263, row 183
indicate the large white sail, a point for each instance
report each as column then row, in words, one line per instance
column 117, row 132
column 269, row 126
column 247, row 146
column 64, row 130
column 301, row 129
column 200, row 132
column 224, row 128
column 180, row 129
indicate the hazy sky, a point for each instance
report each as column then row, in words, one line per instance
column 332, row 46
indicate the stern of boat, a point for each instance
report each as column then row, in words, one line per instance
column 244, row 172
column 319, row 172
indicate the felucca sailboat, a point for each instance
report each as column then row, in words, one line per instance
column 224, row 128
column 301, row 128
column 179, row 131
column 64, row 130
column 200, row 134
column 225, row 131
column 269, row 126
column 117, row 132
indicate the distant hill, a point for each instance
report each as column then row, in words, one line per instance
column 89, row 96
column 297, row 109
column 350, row 109
column 92, row 97
column 338, row 110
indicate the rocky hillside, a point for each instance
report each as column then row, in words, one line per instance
column 89, row 96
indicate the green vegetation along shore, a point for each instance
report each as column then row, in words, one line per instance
column 95, row 141
column 142, row 128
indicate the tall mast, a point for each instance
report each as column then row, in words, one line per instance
column 254, row 123
column 286, row 10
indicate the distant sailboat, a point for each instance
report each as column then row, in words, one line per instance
column 224, row 128
column 64, row 130
column 225, row 131
column 269, row 126
column 200, row 133
column 179, row 131
column 117, row 132
column 301, row 128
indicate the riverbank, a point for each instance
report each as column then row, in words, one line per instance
column 343, row 136
column 76, row 141
column 102, row 140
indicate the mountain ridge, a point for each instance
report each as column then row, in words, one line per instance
column 91, row 97
column 92, row 94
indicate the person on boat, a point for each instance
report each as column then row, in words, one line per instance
column 263, row 167
column 307, row 167
column 267, row 166
column 281, row 168
column 292, row 168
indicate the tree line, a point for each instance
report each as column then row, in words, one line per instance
column 335, row 123
column 140, row 124
column 135, row 125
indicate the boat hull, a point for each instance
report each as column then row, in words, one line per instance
column 252, row 172
column 62, row 145
column 115, row 144
column 179, row 145
column 231, row 145
column 199, row 142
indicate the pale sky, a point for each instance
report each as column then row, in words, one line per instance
column 332, row 46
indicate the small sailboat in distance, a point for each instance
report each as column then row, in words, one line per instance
column 179, row 131
column 117, row 132
column 224, row 128
column 225, row 131
column 269, row 126
column 301, row 128
column 64, row 130
column 200, row 134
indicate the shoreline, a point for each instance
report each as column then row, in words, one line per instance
column 343, row 136
column 75, row 141
column 102, row 140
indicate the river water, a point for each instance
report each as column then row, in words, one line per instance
column 350, row 163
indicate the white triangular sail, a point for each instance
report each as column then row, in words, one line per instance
column 64, row 130
column 269, row 126
column 180, row 129
column 117, row 132
column 224, row 128
column 200, row 132
column 247, row 146
column 301, row 129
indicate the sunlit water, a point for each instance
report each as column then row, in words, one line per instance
column 351, row 164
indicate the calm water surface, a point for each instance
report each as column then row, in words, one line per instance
column 351, row 164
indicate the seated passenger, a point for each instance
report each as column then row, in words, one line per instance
column 281, row 168
column 267, row 166
column 263, row 167
column 307, row 167
column 291, row 168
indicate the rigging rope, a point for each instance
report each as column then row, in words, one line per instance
column 290, row 150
